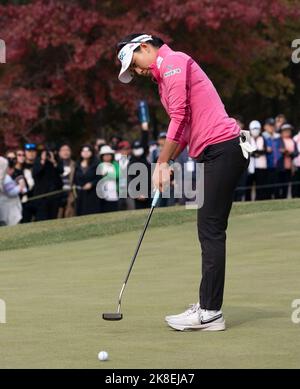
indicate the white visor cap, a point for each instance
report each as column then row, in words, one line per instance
column 125, row 56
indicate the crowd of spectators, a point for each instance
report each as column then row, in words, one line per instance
column 47, row 182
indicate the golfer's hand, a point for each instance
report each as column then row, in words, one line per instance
column 161, row 176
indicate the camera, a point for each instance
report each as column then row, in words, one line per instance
column 11, row 162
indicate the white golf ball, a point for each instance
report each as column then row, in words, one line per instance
column 103, row 356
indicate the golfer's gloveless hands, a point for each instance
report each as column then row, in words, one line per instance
column 161, row 176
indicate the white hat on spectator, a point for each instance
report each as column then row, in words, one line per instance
column 254, row 125
column 286, row 126
column 106, row 150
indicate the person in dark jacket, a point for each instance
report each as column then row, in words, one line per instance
column 85, row 179
column 46, row 173
column 29, row 207
column 67, row 199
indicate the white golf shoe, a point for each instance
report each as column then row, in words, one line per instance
column 200, row 320
column 192, row 309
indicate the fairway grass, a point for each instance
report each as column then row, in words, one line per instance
column 101, row 225
column 55, row 293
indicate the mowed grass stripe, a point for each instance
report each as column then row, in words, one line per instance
column 103, row 225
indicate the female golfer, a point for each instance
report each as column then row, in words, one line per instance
column 197, row 119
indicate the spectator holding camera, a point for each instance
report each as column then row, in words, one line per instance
column 46, row 173
column 12, row 159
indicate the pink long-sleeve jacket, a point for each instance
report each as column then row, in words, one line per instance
column 198, row 117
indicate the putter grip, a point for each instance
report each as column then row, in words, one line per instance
column 155, row 198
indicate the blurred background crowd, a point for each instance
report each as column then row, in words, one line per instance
column 41, row 182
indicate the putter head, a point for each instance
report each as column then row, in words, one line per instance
column 112, row 316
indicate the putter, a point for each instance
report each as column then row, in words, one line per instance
column 118, row 315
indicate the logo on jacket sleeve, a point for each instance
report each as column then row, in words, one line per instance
column 159, row 61
column 172, row 72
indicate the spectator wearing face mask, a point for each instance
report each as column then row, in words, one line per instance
column 290, row 152
column 142, row 172
column 108, row 170
column 257, row 169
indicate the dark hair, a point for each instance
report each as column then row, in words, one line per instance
column 155, row 41
column 65, row 143
column 92, row 158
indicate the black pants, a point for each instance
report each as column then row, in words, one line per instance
column 240, row 190
column 223, row 165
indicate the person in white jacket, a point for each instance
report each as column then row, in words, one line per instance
column 3, row 169
column 257, row 169
column 10, row 204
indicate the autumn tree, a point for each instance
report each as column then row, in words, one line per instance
column 60, row 79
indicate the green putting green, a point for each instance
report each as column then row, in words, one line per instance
column 55, row 293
